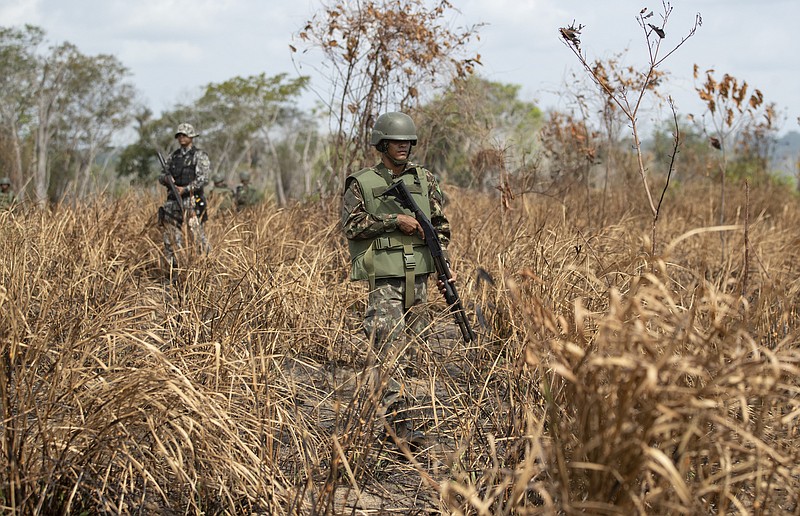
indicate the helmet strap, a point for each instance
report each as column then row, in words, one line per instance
column 397, row 162
column 383, row 148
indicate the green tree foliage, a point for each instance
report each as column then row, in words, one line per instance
column 18, row 72
column 300, row 157
column 245, row 115
column 66, row 103
column 696, row 156
column 242, row 121
column 475, row 129
column 136, row 159
column 100, row 104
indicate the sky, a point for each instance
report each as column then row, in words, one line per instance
column 175, row 47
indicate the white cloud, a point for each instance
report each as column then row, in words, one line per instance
column 143, row 52
column 19, row 12
column 178, row 16
column 201, row 41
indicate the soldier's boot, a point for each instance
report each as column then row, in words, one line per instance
column 399, row 417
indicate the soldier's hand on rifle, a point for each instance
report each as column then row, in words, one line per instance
column 409, row 225
column 440, row 284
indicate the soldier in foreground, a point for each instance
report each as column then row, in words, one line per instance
column 186, row 174
column 387, row 246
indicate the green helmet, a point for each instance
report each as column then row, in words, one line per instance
column 186, row 129
column 5, row 181
column 218, row 178
column 394, row 126
column 244, row 176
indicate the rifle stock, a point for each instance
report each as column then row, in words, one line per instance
column 400, row 192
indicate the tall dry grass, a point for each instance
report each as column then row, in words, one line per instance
column 605, row 380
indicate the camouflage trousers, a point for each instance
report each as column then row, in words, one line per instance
column 173, row 231
column 387, row 320
column 396, row 334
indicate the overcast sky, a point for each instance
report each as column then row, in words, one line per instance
column 173, row 47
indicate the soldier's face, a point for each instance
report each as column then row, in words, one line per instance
column 398, row 150
column 4, row 187
column 184, row 140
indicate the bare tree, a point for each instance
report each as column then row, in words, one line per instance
column 50, row 97
column 628, row 96
column 380, row 54
column 100, row 104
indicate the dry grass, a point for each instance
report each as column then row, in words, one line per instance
column 605, row 380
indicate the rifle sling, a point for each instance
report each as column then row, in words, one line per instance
column 410, row 264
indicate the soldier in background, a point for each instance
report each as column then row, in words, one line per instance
column 189, row 168
column 7, row 196
column 220, row 197
column 245, row 195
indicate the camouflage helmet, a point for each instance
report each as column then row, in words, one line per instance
column 5, row 181
column 186, row 129
column 219, row 177
column 394, row 126
column 244, row 176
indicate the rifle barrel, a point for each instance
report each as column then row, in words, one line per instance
column 171, row 184
column 399, row 191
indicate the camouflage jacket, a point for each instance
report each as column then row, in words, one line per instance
column 7, row 199
column 221, row 197
column 246, row 195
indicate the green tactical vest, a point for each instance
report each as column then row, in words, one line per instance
column 394, row 254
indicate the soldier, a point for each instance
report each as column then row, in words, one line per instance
column 386, row 242
column 7, row 196
column 245, row 195
column 188, row 168
column 220, row 197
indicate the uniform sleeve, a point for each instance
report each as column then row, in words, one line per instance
column 202, row 171
column 357, row 223
column 438, row 218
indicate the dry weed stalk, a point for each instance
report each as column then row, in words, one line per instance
column 733, row 115
column 628, row 93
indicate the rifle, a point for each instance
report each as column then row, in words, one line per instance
column 400, row 192
column 170, row 181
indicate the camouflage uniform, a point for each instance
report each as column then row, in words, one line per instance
column 397, row 263
column 189, row 168
column 7, row 196
column 387, row 316
column 392, row 309
column 245, row 195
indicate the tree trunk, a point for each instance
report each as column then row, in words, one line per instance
column 40, row 179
